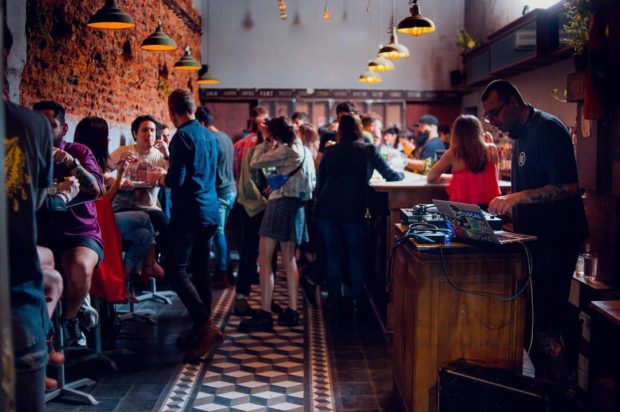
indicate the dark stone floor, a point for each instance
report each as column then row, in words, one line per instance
column 361, row 357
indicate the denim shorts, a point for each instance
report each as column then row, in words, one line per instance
column 65, row 243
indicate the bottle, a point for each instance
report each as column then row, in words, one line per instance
column 579, row 267
column 590, row 264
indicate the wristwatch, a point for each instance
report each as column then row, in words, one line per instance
column 75, row 164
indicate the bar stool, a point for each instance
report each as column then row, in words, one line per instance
column 64, row 388
column 153, row 295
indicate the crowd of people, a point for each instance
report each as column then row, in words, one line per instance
column 299, row 189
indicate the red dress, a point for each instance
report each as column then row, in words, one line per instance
column 475, row 188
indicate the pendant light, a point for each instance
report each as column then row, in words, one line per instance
column 187, row 62
column 415, row 24
column 393, row 50
column 370, row 77
column 205, row 77
column 159, row 40
column 380, row 65
column 110, row 16
column 326, row 14
column 282, row 8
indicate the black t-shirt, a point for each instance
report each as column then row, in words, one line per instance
column 28, row 166
column 330, row 136
column 543, row 155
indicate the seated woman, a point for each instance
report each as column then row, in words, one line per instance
column 284, row 220
column 135, row 227
column 342, row 197
column 474, row 163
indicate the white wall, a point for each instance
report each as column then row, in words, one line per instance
column 307, row 52
column 535, row 87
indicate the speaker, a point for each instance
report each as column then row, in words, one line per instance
column 456, row 78
column 469, row 387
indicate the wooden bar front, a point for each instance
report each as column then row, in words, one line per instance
column 388, row 198
column 436, row 324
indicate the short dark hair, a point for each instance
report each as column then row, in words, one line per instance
column 300, row 115
column 59, row 111
column 135, row 125
column 254, row 113
column 281, row 130
column 203, row 115
column 160, row 128
column 504, row 89
column 369, row 118
column 181, row 101
column 349, row 129
column 346, row 107
column 92, row 132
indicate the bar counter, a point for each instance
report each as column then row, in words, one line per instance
column 386, row 201
column 435, row 324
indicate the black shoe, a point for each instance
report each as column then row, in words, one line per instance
column 309, row 289
column 260, row 321
column 72, row 333
column 242, row 308
column 289, row 318
column 187, row 340
column 275, row 308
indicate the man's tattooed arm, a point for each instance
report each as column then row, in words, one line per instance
column 89, row 187
column 550, row 193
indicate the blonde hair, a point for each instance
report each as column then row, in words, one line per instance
column 467, row 142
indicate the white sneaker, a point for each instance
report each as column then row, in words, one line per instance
column 72, row 334
column 87, row 315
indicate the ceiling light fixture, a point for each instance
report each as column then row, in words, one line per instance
column 187, row 62
column 159, row 41
column 111, row 17
column 370, row 77
column 393, row 50
column 380, row 65
column 282, row 8
column 415, row 24
column 326, row 14
column 205, row 77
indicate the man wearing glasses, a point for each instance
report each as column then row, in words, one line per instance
column 545, row 202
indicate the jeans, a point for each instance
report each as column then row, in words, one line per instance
column 137, row 236
column 161, row 226
column 226, row 202
column 341, row 240
column 189, row 252
column 30, row 389
column 248, row 250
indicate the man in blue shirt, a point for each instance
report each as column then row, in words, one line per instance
column 194, row 220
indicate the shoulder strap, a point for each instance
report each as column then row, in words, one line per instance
column 298, row 168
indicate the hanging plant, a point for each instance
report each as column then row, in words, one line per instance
column 465, row 42
column 578, row 13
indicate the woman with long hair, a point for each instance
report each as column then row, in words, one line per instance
column 284, row 219
column 135, row 227
column 474, row 163
column 342, row 200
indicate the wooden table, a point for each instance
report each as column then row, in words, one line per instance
column 436, row 324
column 387, row 200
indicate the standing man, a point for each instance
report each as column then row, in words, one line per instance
column 226, row 196
column 545, row 202
column 194, row 220
column 74, row 236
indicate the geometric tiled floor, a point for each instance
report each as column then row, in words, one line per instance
column 265, row 371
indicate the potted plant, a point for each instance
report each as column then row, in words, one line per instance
column 578, row 13
column 465, row 42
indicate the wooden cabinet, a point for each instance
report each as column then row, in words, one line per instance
column 436, row 324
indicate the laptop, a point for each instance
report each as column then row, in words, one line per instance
column 467, row 222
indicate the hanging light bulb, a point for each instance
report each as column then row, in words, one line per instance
column 415, row 24
column 393, row 50
column 380, row 65
column 326, row 14
column 370, row 77
column 110, row 16
column 187, row 62
column 282, row 8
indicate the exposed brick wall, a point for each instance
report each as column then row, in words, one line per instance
column 104, row 72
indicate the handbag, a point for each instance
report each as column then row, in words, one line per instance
column 277, row 181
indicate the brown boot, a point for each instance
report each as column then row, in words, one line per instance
column 209, row 338
column 50, row 384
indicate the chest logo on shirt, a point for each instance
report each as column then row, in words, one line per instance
column 521, row 159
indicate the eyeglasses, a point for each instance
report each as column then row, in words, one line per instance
column 493, row 114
